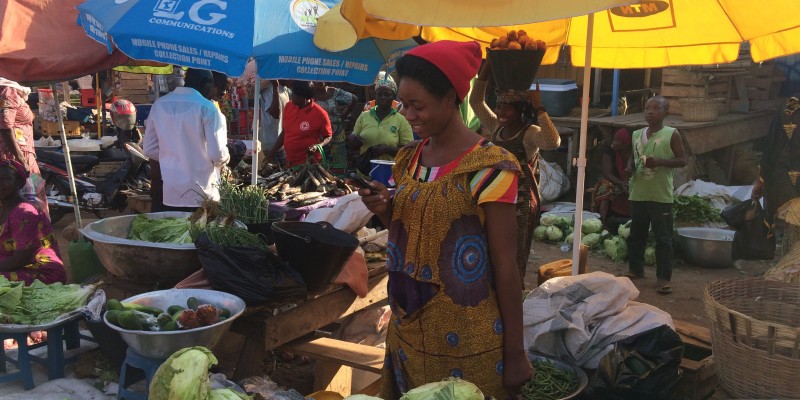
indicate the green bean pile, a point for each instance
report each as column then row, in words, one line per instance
column 224, row 235
column 549, row 382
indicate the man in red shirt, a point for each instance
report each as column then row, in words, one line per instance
column 306, row 127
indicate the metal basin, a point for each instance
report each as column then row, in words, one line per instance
column 706, row 247
column 583, row 380
column 158, row 264
column 161, row 345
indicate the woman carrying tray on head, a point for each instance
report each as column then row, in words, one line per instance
column 512, row 126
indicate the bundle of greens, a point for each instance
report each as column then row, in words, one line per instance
column 248, row 203
column 226, row 235
column 39, row 304
column 695, row 209
column 161, row 230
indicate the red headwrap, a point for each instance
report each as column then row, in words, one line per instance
column 458, row 61
column 18, row 169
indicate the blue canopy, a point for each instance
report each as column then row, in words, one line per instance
column 221, row 35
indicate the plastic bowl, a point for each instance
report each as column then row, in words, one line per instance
column 161, row 345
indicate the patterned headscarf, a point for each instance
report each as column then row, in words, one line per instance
column 385, row 80
column 512, row 96
column 18, row 169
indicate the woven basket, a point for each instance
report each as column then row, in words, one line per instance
column 756, row 336
column 699, row 109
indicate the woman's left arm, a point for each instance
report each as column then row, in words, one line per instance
column 500, row 217
column 26, row 243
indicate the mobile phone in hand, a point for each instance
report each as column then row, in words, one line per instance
column 362, row 183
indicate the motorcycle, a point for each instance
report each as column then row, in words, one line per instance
column 103, row 182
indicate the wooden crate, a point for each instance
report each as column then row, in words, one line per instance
column 52, row 128
column 699, row 378
column 679, row 82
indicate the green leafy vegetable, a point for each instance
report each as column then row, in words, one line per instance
column 592, row 225
column 650, row 256
column 591, row 239
column 548, row 219
column 616, row 248
column 184, row 376
column 39, row 304
column 160, row 230
column 625, row 230
column 540, row 232
column 448, row 389
column 695, row 209
column 554, row 234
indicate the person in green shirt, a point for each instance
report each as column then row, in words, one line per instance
column 381, row 131
column 657, row 151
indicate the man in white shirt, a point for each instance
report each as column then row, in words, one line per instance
column 186, row 134
column 271, row 114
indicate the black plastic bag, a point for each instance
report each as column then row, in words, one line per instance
column 736, row 215
column 644, row 366
column 754, row 239
column 255, row 275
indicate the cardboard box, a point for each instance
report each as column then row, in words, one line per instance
column 52, row 128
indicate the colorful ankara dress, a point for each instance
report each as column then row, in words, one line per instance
column 27, row 227
column 445, row 316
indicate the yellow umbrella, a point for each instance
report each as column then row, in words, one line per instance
column 469, row 13
column 652, row 33
column 648, row 35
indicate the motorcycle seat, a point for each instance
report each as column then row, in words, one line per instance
column 80, row 163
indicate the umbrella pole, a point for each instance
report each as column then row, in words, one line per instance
column 581, row 162
column 256, row 123
column 76, row 207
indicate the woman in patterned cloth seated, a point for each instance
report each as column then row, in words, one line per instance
column 453, row 282
column 29, row 249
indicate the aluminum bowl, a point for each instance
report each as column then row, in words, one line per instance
column 154, row 264
column 583, row 380
column 161, row 345
column 706, row 247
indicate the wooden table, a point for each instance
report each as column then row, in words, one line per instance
column 264, row 329
column 698, row 137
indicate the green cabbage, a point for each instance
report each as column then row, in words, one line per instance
column 540, row 233
column 160, row 230
column 184, row 376
column 650, row 256
column 591, row 225
column 563, row 223
column 625, row 230
column 568, row 239
column 448, row 389
column 228, row 394
column 39, row 303
column 616, row 248
column 591, row 239
column 554, row 234
column 548, row 219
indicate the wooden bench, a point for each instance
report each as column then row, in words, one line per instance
column 335, row 361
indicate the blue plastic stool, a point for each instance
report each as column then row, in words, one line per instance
column 136, row 361
column 56, row 337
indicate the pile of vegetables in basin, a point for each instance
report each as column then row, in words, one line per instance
column 219, row 227
column 39, row 303
column 549, row 382
column 137, row 317
column 184, row 376
column 160, row 230
column 694, row 209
